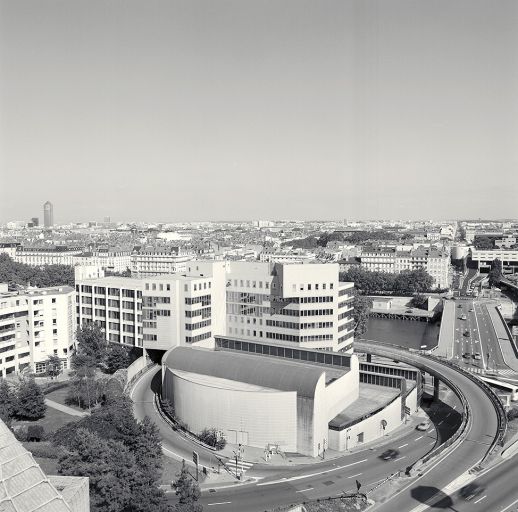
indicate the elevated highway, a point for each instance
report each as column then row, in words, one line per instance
column 481, row 433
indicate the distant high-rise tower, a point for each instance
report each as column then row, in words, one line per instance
column 48, row 214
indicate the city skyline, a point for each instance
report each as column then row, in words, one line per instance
column 188, row 112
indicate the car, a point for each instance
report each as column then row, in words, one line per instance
column 470, row 491
column 471, row 310
column 467, row 355
column 462, row 317
column 466, row 333
column 460, row 306
column 389, row 454
column 477, row 356
column 408, row 311
column 424, row 425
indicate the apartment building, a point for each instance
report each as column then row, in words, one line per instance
column 389, row 259
column 158, row 262
column 113, row 260
column 38, row 256
column 379, row 259
column 35, row 324
column 296, row 304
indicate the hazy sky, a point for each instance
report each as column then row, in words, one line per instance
column 240, row 109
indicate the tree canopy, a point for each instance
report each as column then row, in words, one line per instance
column 47, row 275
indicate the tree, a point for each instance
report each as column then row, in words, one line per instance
column 419, row 301
column 53, row 365
column 212, row 437
column 362, row 306
column 7, row 402
column 188, row 492
column 108, row 464
column 84, row 389
column 117, row 358
column 30, row 400
column 495, row 274
column 91, row 345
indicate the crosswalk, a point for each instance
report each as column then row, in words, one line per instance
column 242, row 466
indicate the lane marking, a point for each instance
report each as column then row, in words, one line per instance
column 300, row 477
column 308, row 489
column 403, row 445
column 417, row 438
column 400, row 458
column 509, row 506
column 480, row 499
column 220, row 503
column 354, row 476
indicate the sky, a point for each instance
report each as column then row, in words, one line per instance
column 173, row 111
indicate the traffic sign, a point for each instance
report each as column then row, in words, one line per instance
column 195, row 457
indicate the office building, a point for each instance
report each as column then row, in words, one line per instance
column 48, row 214
column 300, row 305
column 34, row 324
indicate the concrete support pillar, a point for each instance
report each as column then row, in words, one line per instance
column 436, row 382
column 369, row 358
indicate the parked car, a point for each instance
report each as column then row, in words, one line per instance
column 389, row 454
column 477, row 356
column 424, row 425
column 467, row 355
column 466, row 333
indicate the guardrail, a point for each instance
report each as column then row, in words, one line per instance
column 502, row 417
column 131, row 382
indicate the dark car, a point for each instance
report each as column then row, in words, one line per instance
column 389, row 454
column 470, row 491
column 467, row 355
column 466, row 333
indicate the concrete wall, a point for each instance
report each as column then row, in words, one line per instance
column 371, row 427
column 257, row 417
column 136, row 366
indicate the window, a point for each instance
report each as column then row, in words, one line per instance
column 309, row 287
column 168, row 287
column 53, row 301
column 185, row 287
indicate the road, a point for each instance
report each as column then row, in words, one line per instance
column 481, row 433
column 280, row 486
column 475, row 335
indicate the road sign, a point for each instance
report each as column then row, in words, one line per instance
column 195, row 460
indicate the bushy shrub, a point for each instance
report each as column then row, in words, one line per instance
column 212, row 437
column 35, row 433
column 45, row 450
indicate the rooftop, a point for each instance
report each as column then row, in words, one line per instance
column 370, row 399
column 266, row 372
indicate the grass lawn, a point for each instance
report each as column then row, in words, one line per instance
column 60, row 396
column 52, row 421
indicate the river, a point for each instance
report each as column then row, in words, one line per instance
column 403, row 332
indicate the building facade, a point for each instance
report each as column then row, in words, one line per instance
column 48, row 214
column 35, row 324
column 299, row 304
column 159, row 262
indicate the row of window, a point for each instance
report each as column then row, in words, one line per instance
column 249, row 284
column 295, row 325
column 346, row 314
column 204, row 313
column 150, row 302
column 306, row 312
column 344, row 291
column 200, row 337
column 247, row 298
column 204, row 300
column 198, row 325
column 343, row 327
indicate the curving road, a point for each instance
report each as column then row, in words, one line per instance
column 279, row 486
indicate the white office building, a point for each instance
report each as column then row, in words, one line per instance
column 298, row 304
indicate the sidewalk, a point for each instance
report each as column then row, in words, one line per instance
column 65, row 408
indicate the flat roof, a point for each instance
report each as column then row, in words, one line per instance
column 266, row 372
column 370, row 399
